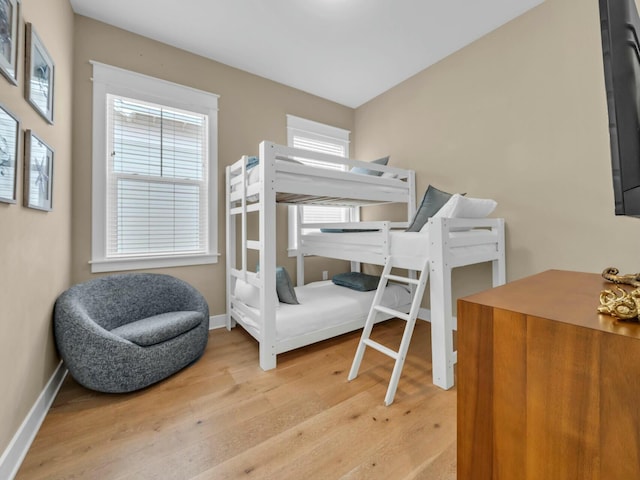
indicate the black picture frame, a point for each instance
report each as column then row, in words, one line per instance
column 38, row 173
column 9, row 39
column 9, row 155
column 39, row 75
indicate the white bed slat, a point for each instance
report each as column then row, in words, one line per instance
column 282, row 152
column 253, row 244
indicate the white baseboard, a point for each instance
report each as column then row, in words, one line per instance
column 17, row 449
column 216, row 321
column 425, row 314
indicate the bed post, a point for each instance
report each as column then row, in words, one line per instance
column 498, row 265
column 411, row 204
column 231, row 245
column 267, row 256
column 299, row 255
column 442, row 354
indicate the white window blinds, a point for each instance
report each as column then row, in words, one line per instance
column 154, row 201
column 157, row 188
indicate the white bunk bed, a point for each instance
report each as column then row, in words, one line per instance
column 279, row 178
column 447, row 243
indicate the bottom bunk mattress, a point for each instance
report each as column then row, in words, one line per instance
column 324, row 305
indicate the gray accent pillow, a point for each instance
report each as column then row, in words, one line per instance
column 366, row 171
column 284, row 287
column 252, row 162
column 357, row 281
column 432, row 201
column 158, row 328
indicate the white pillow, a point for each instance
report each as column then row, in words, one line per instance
column 247, row 293
column 250, row 294
column 459, row 206
column 448, row 209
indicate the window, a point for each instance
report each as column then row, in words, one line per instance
column 318, row 137
column 154, row 172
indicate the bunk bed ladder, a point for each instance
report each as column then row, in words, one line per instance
column 410, row 319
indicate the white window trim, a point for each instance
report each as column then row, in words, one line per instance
column 317, row 130
column 113, row 80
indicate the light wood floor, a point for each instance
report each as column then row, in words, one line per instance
column 223, row 418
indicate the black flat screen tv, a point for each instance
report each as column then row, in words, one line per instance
column 619, row 26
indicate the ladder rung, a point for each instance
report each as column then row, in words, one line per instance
column 381, row 348
column 248, row 208
column 392, row 312
column 252, row 244
column 397, row 278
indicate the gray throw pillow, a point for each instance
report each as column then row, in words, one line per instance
column 432, row 201
column 356, row 281
column 366, row 171
column 252, row 162
column 284, row 286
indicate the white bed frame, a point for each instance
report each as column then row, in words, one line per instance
column 278, row 184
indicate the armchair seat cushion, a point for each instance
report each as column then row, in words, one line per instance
column 159, row 328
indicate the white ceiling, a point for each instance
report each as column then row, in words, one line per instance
column 348, row 51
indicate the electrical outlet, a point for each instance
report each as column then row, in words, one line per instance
column 325, row 275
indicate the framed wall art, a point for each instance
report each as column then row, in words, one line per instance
column 9, row 142
column 38, row 173
column 39, row 75
column 9, row 25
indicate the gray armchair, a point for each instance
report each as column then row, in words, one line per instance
column 124, row 332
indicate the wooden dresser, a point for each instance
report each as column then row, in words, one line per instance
column 547, row 388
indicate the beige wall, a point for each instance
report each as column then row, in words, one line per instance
column 35, row 257
column 252, row 109
column 519, row 116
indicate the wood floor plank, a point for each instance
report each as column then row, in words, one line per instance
column 195, row 455
column 224, row 417
column 440, row 467
column 432, row 430
column 265, row 460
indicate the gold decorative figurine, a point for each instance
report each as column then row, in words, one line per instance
column 620, row 304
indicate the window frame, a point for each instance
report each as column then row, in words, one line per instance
column 314, row 130
column 117, row 81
